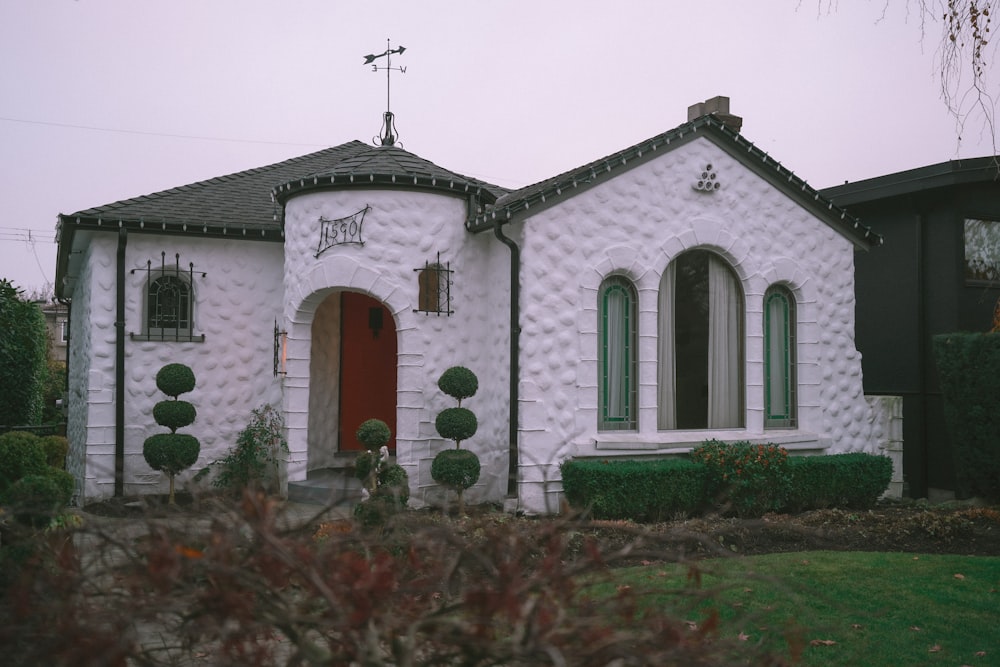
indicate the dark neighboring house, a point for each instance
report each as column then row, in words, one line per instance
column 937, row 272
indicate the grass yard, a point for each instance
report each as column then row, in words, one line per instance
column 838, row 608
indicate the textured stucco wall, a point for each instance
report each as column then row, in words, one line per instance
column 236, row 304
column 402, row 231
column 635, row 225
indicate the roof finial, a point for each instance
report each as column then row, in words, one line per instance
column 387, row 137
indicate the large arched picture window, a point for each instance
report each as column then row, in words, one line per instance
column 700, row 345
column 779, row 358
column 617, row 355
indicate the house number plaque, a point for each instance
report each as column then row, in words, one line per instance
column 341, row 231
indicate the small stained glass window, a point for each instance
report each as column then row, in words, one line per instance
column 982, row 251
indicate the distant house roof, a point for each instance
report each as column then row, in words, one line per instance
column 922, row 179
column 528, row 200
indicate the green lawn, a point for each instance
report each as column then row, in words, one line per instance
column 839, row 608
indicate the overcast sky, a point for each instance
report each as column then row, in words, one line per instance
column 103, row 100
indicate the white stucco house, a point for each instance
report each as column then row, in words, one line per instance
column 684, row 288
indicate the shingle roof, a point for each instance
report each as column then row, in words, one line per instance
column 238, row 200
column 390, row 165
column 527, row 200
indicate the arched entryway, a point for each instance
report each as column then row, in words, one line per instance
column 352, row 374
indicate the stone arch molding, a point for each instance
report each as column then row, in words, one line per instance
column 306, row 291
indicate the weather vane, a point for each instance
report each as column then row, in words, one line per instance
column 386, row 138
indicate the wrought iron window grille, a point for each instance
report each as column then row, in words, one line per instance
column 341, row 231
column 434, row 288
column 169, row 302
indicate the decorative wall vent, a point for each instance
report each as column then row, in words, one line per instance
column 341, row 231
column 434, row 288
column 707, row 181
column 169, row 300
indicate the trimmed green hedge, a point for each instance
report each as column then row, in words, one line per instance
column 639, row 490
column 969, row 370
column 657, row 490
column 854, row 481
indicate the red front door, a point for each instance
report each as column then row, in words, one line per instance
column 367, row 367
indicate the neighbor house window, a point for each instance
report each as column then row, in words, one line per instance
column 779, row 358
column 617, row 355
column 700, row 344
column 982, row 251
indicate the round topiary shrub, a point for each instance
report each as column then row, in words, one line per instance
column 55, row 447
column 373, row 433
column 175, row 379
column 171, row 452
column 21, row 454
column 456, row 424
column 174, row 414
column 457, row 469
column 459, row 383
column 394, row 482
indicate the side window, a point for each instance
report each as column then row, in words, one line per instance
column 617, row 355
column 779, row 358
column 168, row 306
column 982, row 251
column 434, row 288
column 169, row 302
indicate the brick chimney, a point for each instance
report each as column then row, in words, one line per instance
column 718, row 107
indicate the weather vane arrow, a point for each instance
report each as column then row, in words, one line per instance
column 386, row 138
column 369, row 59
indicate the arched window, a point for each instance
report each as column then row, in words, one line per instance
column 168, row 306
column 700, row 345
column 779, row 358
column 617, row 355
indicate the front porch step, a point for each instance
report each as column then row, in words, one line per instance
column 327, row 487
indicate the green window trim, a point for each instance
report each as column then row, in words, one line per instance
column 617, row 356
column 779, row 359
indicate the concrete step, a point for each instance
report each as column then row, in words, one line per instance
column 327, row 486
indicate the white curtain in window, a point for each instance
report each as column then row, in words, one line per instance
column 666, row 382
column 616, row 352
column 777, row 356
column 723, row 346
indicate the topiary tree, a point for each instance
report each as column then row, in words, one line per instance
column 173, row 452
column 457, row 469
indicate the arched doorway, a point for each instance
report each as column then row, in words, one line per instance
column 352, row 371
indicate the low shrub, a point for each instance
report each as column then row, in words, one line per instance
column 640, row 490
column 21, row 454
column 851, row 481
column 35, row 499
column 745, row 479
column 55, row 447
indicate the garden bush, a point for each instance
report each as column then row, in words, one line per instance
column 969, row 370
column 21, row 454
column 745, row 479
column 647, row 491
column 848, row 481
column 37, row 498
column 254, row 461
column 55, row 447
column 23, row 358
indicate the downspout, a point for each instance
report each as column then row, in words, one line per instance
column 120, row 366
column 515, row 332
column 922, row 348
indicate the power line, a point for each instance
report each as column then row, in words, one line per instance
column 155, row 134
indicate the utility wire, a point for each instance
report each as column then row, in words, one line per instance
column 155, row 134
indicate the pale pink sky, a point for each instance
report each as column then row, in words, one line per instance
column 102, row 100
